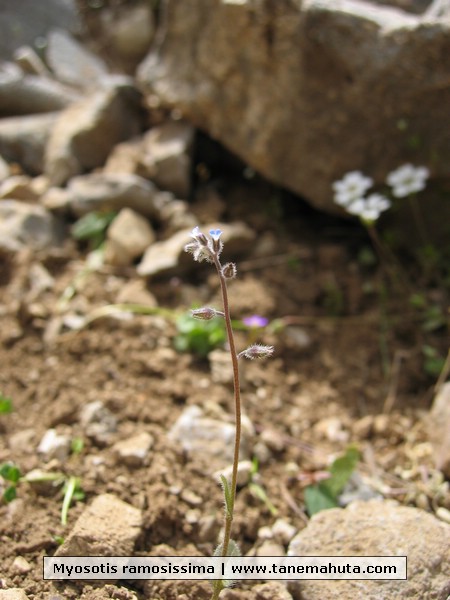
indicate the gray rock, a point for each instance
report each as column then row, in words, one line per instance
column 23, row 140
column 207, row 439
column 98, row 422
column 128, row 236
column 287, row 85
column 245, row 469
column 109, row 191
column 27, row 22
column 377, row 528
column 107, row 527
column 30, row 62
column 54, row 445
column 27, row 225
column 439, row 428
column 167, row 256
column 167, row 156
column 128, row 30
column 71, row 62
column 22, row 94
column 134, row 451
column 85, row 133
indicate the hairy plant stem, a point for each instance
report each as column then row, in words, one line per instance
column 237, row 402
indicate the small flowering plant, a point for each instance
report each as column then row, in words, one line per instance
column 209, row 248
column 350, row 191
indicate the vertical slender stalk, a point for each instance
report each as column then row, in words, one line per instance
column 237, row 401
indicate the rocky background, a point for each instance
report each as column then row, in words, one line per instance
column 158, row 116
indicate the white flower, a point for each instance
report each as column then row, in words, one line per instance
column 369, row 209
column 351, row 187
column 407, row 179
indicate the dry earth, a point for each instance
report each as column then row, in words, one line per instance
column 347, row 369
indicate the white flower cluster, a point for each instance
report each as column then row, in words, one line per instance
column 350, row 191
column 407, row 180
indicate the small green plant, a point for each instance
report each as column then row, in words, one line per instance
column 5, row 405
column 12, row 475
column 92, row 227
column 198, row 337
column 71, row 486
column 325, row 494
column 209, row 248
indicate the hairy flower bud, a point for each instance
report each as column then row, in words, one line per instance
column 206, row 313
column 229, row 271
column 257, row 351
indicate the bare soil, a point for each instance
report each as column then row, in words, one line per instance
column 347, row 369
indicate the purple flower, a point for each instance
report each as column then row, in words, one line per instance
column 255, row 321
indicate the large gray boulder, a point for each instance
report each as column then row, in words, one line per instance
column 307, row 91
column 377, row 528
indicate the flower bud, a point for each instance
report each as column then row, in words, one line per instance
column 257, row 351
column 229, row 271
column 205, row 313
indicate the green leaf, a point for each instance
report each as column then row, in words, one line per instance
column 261, row 494
column 92, row 226
column 10, row 493
column 10, row 472
column 77, row 445
column 341, row 470
column 227, row 495
column 5, row 405
column 318, row 498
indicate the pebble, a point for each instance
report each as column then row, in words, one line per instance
column 244, row 474
column 13, row 594
column 98, row 421
column 135, row 451
column 439, row 427
column 128, row 236
column 54, row 446
column 21, row 566
column 107, row 527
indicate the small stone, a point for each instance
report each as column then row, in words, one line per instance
column 54, row 445
column 244, row 473
column 27, row 225
column 136, row 292
column 21, row 566
column 13, row 594
column 191, row 497
column 208, row 440
column 270, row 548
column 167, row 157
column 272, row 590
column 332, row 429
column 443, row 514
column 283, row 531
column 128, row 236
column 17, row 187
column 362, row 428
column 439, row 427
column 107, row 527
column 221, row 366
column 99, row 422
column 134, row 452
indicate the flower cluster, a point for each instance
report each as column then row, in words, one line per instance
column 205, row 247
column 350, row 191
column 209, row 248
column 407, row 180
